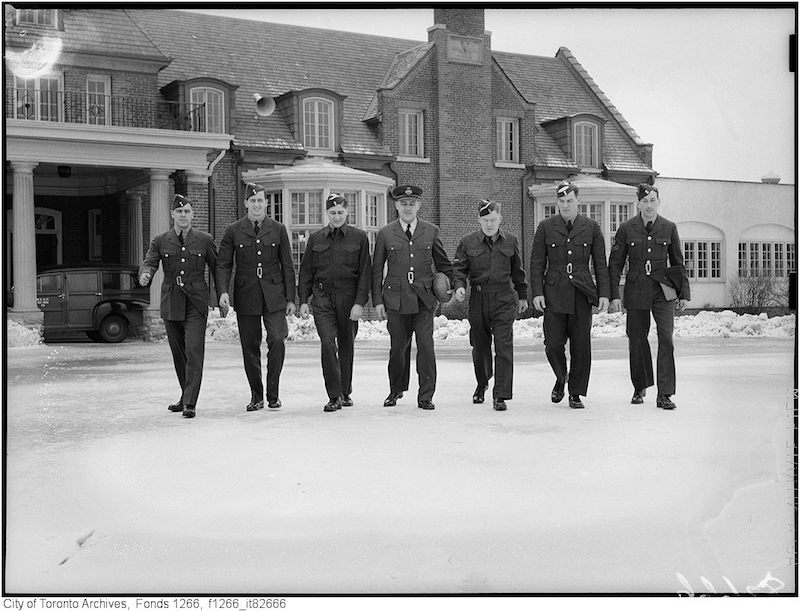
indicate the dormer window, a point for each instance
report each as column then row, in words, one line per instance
column 586, row 145
column 318, row 124
column 208, row 109
column 45, row 18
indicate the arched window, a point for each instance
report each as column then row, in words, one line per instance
column 586, row 145
column 318, row 124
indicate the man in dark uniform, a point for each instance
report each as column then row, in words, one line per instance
column 336, row 270
column 411, row 248
column 565, row 291
column 649, row 242
column 490, row 258
column 263, row 289
column 184, row 254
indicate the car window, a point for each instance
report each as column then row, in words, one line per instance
column 82, row 282
column 119, row 281
column 50, row 283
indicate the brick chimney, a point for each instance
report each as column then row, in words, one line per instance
column 463, row 99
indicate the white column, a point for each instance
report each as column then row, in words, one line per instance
column 135, row 235
column 159, row 223
column 24, row 244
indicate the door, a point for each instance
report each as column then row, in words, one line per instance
column 51, row 300
column 83, row 293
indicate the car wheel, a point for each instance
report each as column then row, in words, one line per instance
column 113, row 329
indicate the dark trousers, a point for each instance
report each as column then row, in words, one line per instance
column 637, row 326
column 577, row 328
column 250, row 338
column 337, row 334
column 491, row 316
column 401, row 328
column 187, row 341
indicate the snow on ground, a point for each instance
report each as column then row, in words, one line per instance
column 18, row 335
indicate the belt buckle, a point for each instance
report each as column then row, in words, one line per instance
column 648, row 267
column 411, row 277
column 478, row 288
column 260, row 272
column 569, row 268
column 179, row 280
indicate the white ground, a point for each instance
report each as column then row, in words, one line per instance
column 108, row 492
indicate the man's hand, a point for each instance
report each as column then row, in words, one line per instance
column 290, row 307
column 614, row 306
column 461, row 292
column 380, row 311
column 356, row 312
column 538, row 303
column 682, row 304
column 144, row 278
column 304, row 309
column 603, row 306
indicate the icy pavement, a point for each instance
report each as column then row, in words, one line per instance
column 108, row 492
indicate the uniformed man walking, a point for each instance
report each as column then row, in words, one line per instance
column 656, row 282
column 490, row 258
column 336, row 271
column 411, row 249
column 184, row 253
column 263, row 289
column 563, row 288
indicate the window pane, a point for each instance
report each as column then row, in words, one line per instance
column 549, row 210
column 689, row 258
column 275, row 203
column 791, row 261
column 754, row 259
column 780, row 269
column 702, row 260
column 48, row 99
column 743, row 260
column 372, row 210
column 585, row 139
column 96, row 102
column 49, row 283
column 317, row 119
column 716, row 259
column 766, row 259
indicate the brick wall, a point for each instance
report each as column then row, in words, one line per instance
column 466, row 22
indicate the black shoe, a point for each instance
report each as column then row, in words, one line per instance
column 346, row 401
column 664, row 402
column 575, row 402
column 477, row 396
column 425, row 405
column 255, row 405
column 188, row 411
column 391, row 400
column 276, row 404
column 175, row 407
column 500, row 405
column 638, row 396
column 558, row 392
column 333, row 405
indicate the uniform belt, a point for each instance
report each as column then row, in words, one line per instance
column 648, row 268
column 571, row 268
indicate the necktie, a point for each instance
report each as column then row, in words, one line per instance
column 569, row 225
column 649, row 226
column 255, row 226
column 408, row 232
column 180, row 237
column 335, row 233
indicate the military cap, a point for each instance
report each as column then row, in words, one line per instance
column 179, row 201
column 643, row 189
column 334, row 199
column 402, row 191
column 487, row 207
column 564, row 187
column 251, row 189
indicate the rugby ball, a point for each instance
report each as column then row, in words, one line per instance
column 441, row 284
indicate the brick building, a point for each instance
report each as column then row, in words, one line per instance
column 140, row 104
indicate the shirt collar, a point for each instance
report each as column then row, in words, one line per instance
column 412, row 224
column 178, row 231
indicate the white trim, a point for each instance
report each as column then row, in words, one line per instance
column 509, row 165
column 413, row 159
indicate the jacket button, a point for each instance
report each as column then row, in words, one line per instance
column 569, row 252
column 259, row 252
column 649, row 250
column 554, row 245
column 273, row 243
column 183, row 248
column 259, row 263
column 241, row 245
column 649, row 237
column 410, row 243
column 183, row 260
column 411, row 268
column 412, row 254
column 182, row 272
column 570, row 276
column 258, row 241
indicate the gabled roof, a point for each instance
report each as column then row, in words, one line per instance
column 560, row 87
column 99, row 31
column 271, row 59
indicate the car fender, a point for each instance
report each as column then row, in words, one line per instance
column 129, row 310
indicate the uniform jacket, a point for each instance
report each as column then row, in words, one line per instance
column 271, row 252
column 342, row 265
column 560, row 262
column 648, row 255
column 182, row 264
column 410, row 268
column 497, row 268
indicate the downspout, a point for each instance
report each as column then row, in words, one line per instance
column 211, row 183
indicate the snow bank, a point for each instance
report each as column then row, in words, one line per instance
column 19, row 335
column 702, row 324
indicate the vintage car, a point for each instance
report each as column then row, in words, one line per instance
column 102, row 302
